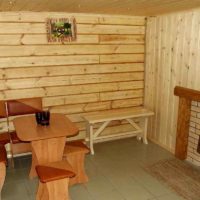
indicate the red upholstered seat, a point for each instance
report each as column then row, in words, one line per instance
column 54, row 180
column 47, row 174
column 74, row 153
column 76, row 146
column 4, row 138
column 3, row 154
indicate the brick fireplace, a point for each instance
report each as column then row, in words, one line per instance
column 194, row 133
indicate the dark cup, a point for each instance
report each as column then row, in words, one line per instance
column 45, row 118
column 38, row 117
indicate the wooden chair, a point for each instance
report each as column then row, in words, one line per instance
column 3, row 161
column 54, row 180
column 4, row 137
column 74, row 153
column 21, row 107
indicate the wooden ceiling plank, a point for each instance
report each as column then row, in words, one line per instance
column 112, row 7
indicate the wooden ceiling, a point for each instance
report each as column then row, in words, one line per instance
column 117, row 7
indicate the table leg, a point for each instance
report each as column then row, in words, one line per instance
column 33, row 172
column 45, row 151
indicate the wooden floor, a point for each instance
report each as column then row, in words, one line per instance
column 115, row 173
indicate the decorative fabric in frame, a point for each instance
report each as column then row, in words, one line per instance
column 61, row 29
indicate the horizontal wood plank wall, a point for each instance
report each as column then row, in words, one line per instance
column 102, row 70
column 172, row 58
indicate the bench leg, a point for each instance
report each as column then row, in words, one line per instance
column 57, row 189
column 145, row 126
column 91, row 130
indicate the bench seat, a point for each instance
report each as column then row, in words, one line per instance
column 128, row 114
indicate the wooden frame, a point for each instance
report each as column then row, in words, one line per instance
column 186, row 96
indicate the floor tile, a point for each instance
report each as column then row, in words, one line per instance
column 112, row 195
column 133, row 191
column 15, row 190
column 79, row 192
column 99, row 186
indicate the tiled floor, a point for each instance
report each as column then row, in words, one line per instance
column 115, row 173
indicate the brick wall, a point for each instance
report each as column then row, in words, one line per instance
column 194, row 133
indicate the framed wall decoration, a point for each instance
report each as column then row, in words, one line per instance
column 61, row 29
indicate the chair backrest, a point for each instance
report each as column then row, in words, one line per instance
column 24, row 106
column 3, row 113
column 3, row 154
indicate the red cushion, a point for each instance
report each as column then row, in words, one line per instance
column 24, row 106
column 76, row 146
column 3, row 154
column 4, row 138
column 47, row 174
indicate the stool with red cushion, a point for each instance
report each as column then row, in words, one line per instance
column 74, row 153
column 54, row 180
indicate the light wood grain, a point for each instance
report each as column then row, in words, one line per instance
column 120, row 114
column 171, row 60
column 28, row 72
column 126, row 7
column 7, row 62
column 78, row 77
column 70, row 50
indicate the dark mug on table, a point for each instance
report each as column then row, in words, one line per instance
column 43, row 118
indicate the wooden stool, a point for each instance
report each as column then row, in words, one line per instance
column 74, row 153
column 54, row 180
column 3, row 160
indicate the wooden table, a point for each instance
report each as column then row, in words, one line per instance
column 47, row 142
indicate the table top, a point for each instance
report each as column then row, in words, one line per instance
column 28, row 130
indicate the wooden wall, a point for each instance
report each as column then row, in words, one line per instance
column 172, row 58
column 102, row 70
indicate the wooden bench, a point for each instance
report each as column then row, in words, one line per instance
column 128, row 114
column 74, row 153
column 54, row 180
